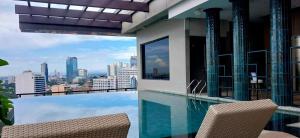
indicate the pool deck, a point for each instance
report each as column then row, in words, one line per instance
column 281, row 109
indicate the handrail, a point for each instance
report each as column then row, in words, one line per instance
column 195, row 80
column 202, row 88
column 75, row 91
column 187, row 88
column 194, row 90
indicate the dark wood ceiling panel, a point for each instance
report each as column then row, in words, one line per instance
column 68, row 21
column 83, row 16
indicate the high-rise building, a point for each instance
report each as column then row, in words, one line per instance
column 112, row 70
column 72, row 69
column 133, row 81
column 28, row 82
column 105, row 83
column 133, row 61
column 108, row 70
column 44, row 71
column 82, row 73
column 125, row 77
column 120, row 64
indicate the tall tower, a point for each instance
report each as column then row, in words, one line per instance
column 72, row 69
column 133, row 61
column 44, row 71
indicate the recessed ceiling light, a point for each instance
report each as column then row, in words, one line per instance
column 108, row 10
column 73, row 7
column 58, row 6
column 56, row 17
column 21, row 3
column 126, row 12
column 72, row 18
column 39, row 4
column 93, row 9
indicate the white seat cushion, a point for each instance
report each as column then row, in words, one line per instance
column 275, row 134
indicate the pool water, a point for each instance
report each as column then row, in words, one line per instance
column 152, row 114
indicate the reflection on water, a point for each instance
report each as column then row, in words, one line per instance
column 53, row 108
column 165, row 115
column 284, row 122
column 156, row 122
column 151, row 114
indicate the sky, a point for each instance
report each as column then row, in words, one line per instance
column 27, row 51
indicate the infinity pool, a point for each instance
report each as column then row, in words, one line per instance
column 151, row 114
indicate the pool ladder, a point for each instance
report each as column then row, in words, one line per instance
column 193, row 100
column 197, row 82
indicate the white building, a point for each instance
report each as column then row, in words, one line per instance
column 112, row 70
column 29, row 82
column 105, row 83
column 126, row 76
column 82, row 73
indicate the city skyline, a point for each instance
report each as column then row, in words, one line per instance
column 18, row 63
column 64, row 74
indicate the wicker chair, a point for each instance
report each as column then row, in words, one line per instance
column 239, row 120
column 108, row 126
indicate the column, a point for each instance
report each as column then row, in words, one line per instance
column 280, row 43
column 212, row 45
column 240, row 19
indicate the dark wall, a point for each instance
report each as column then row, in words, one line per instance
column 197, row 58
column 295, row 26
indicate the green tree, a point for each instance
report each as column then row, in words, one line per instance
column 5, row 103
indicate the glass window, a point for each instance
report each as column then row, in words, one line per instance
column 155, row 59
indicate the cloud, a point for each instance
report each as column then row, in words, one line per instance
column 12, row 38
column 28, row 50
column 125, row 54
column 160, row 62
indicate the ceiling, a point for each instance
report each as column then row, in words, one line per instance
column 258, row 9
column 77, row 16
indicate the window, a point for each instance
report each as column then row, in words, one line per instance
column 155, row 59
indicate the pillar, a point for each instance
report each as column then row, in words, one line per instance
column 240, row 19
column 212, row 45
column 280, row 44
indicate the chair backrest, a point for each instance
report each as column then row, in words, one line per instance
column 108, row 126
column 254, row 76
column 236, row 120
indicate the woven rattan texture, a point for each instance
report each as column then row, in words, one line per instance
column 108, row 126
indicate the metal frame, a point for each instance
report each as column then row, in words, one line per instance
column 52, row 19
column 266, row 76
column 74, row 92
column 225, row 76
column 293, row 62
